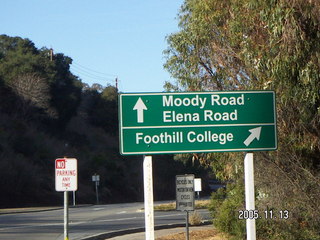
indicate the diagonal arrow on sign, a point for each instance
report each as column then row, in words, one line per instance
column 140, row 107
column 255, row 134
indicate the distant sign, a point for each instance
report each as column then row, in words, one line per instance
column 197, row 185
column 183, row 122
column 185, row 192
column 95, row 178
column 66, row 174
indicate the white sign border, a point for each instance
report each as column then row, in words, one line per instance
column 122, row 128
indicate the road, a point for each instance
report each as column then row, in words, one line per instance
column 83, row 221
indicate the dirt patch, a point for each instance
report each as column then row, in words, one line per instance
column 210, row 234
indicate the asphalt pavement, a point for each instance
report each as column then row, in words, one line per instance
column 98, row 220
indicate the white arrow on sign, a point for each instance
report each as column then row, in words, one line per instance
column 255, row 133
column 140, row 107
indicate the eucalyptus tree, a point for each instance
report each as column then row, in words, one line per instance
column 265, row 44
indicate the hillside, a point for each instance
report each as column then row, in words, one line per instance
column 46, row 112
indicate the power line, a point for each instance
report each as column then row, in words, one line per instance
column 91, row 75
column 91, row 70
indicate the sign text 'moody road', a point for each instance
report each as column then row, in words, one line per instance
column 198, row 101
column 217, row 120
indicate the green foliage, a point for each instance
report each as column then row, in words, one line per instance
column 276, row 229
column 200, row 56
column 104, row 109
column 217, row 198
column 251, row 44
column 224, row 208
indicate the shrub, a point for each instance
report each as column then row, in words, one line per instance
column 223, row 208
column 195, row 219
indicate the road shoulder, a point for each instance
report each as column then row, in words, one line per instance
column 160, row 233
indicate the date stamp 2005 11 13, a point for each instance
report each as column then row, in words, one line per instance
column 267, row 214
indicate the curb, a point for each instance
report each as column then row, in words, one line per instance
column 37, row 209
column 108, row 235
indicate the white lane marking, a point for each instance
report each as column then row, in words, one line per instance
column 122, row 212
column 97, row 209
column 83, row 222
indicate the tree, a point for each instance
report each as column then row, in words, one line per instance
column 251, row 44
column 20, row 59
column 65, row 89
column 200, row 56
column 100, row 106
column 33, row 90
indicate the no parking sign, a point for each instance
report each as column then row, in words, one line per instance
column 66, row 173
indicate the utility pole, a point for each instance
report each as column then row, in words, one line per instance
column 117, row 83
column 51, row 54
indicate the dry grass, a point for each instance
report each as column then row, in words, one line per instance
column 165, row 207
column 210, row 234
column 199, row 204
column 195, row 219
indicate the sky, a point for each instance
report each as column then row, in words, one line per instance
column 107, row 39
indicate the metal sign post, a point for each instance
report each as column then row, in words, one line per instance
column 187, row 225
column 74, row 197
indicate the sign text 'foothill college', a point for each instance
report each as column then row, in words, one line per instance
column 152, row 123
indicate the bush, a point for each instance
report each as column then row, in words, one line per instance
column 195, row 219
column 217, row 199
column 223, row 208
column 285, row 230
column 226, row 203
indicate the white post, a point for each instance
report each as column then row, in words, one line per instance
column 148, row 197
column 66, row 216
column 249, row 191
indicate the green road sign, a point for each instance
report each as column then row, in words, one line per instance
column 157, row 123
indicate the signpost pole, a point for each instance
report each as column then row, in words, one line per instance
column 187, row 225
column 74, row 197
column 66, row 216
column 148, row 197
column 249, row 191
column 97, row 193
